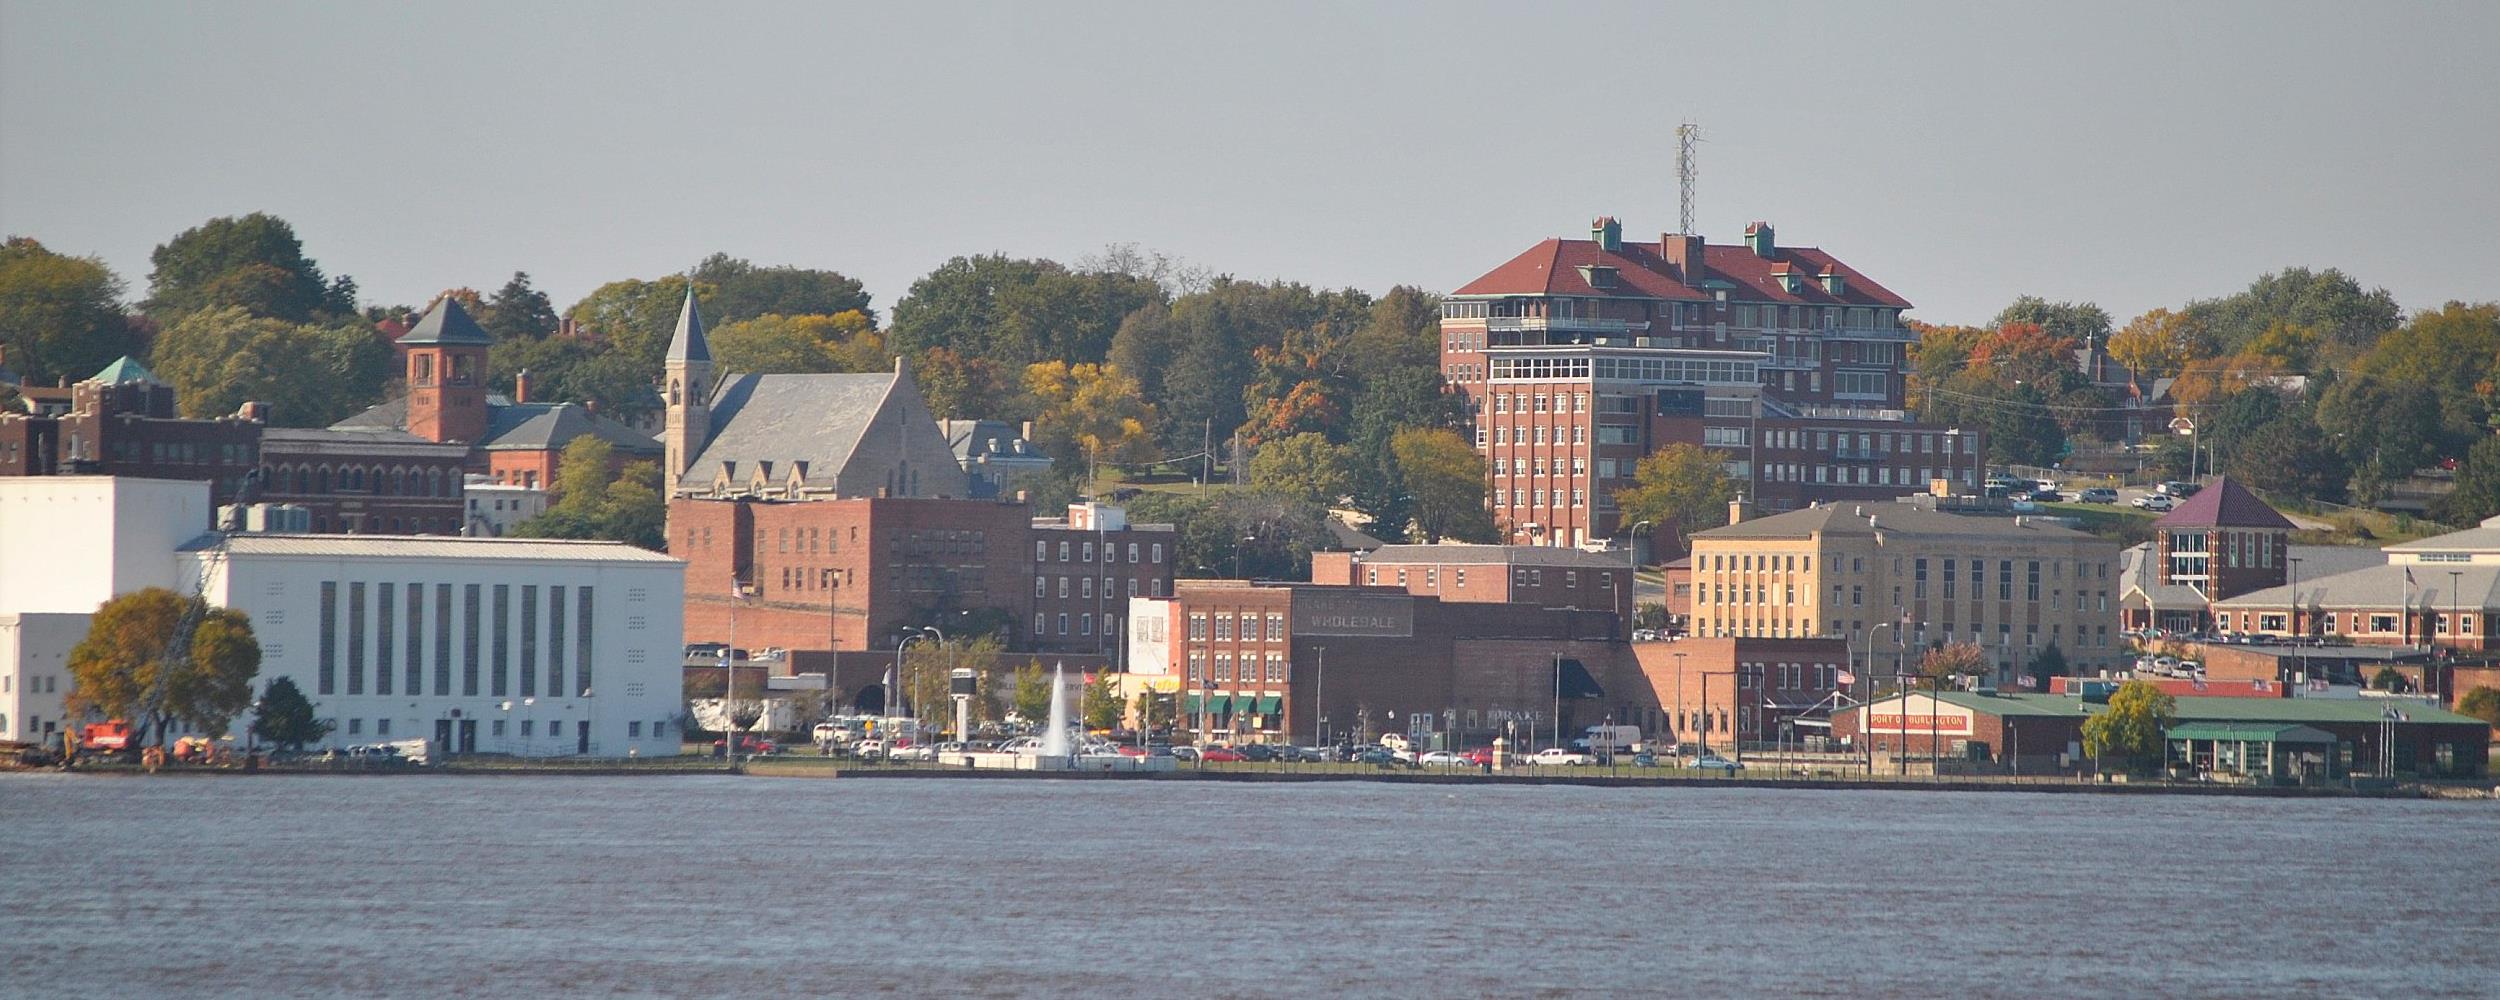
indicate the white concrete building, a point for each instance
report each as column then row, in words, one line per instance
column 67, row 544
column 492, row 508
column 483, row 645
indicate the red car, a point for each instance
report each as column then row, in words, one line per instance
column 1479, row 756
column 1129, row 750
column 751, row 745
column 1220, row 755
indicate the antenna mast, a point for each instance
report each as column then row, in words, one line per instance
column 1687, row 136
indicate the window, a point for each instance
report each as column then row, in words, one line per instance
column 1276, row 628
column 1063, row 623
column 1223, row 627
column 1041, row 623
column 1157, row 550
column 1041, row 586
column 1063, row 552
column 1085, row 624
column 1041, row 553
column 1198, row 626
column 327, row 667
column 633, row 730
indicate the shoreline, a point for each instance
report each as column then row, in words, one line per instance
column 810, row 768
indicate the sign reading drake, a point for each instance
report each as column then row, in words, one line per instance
column 1373, row 616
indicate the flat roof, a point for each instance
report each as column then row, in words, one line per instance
column 423, row 547
column 2209, row 709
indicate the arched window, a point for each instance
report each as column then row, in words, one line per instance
column 321, row 481
column 434, row 482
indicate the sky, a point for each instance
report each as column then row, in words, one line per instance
column 2135, row 155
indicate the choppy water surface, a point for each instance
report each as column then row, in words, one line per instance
column 753, row 887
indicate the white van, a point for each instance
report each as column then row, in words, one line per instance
column 1395, row 741
column 1611, row 739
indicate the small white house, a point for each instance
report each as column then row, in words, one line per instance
column 491, row 509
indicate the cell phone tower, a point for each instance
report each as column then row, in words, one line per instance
column 1687, row 136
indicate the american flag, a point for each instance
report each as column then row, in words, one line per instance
column 1845, row 678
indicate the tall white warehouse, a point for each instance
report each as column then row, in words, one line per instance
column 482, row 645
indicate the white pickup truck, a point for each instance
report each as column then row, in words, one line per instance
column 1559, row 757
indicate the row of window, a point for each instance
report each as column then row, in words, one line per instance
column 1084, row 624
column 1278, row 668
column 1537, row 498
column 1085, row 552
column 1224, row 625
column 2356, row 622
column 1522, row 466
column 1520, row 434
column 315, row 480
column 379, row 644
column 1085, row 587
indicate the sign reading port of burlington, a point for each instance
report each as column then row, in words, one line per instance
column 1353, row 615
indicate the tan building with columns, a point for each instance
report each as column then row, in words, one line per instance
column 1895, row 578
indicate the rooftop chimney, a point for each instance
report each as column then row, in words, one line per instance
column 521, row 386
column 1685, row 252
column 1738, row 510
column 1758, row 239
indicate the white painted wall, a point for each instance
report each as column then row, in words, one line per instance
column 69, row 543
column 34, row 671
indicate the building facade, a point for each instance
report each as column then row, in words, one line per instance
column 1502, row 574
column 493, row 509
column 378, row 482
column 1727, row 691
column 122, row 422
column 1580, row 357
column 1086, row 566
column 1895, row 579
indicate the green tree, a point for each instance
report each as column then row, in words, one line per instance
column 2390, row 680
column 518, row 311
column 1249, row 533
column 134, row 664
column 1445, row 477
column 635, row 317
column 312, row 376
column 742, row 291
column 1018, row 312
column 1032, row 693
column 590, row 501
column 2133, row 724
column 1682, row 487
column 2482, row 703
column 2050, row 663
column 2290, row 456
column 1150, row 712
column 2160, row 343
column 1102, row 703
column 2329, row 301
column 286, row 718
column 60, row 317
column 253, row 262
column 1304, row 466
column 800, row 344
column 2081, row 322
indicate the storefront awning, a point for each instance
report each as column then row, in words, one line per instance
column 1189, row 705
column 1269, row 704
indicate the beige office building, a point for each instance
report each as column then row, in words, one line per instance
column 1896, row 578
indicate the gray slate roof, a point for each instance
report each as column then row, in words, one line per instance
column 447, row 323
column 976, row 439
column 518, row 426
column 819, row 420
column 2484, row 537
column 688, row 342
column 2477, row 586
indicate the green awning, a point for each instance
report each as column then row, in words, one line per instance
column 1268, row 705
column 2228, row 732
column 1217, row 703
column 1189, row 705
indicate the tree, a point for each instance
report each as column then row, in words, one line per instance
column 253, row 262
column 1018, row 312
column 742, row 291
column 1445, row 477
column 1032, row 695
column 1149, row 710
column 61, row 317
column 2050, row 663
column 2133, row 724
column 311, row 376
column 2477, row 494
column 1954, row 659
column 2482, row 703
column 2390, row 680
column 964, row 386
column 1304, row 466
column 518, row 311
column 1102, row 703
column 636, row 317
column 2328, row 301
column 2080, row 322
column 1681, row 485
column 591, row 501
column 286, row 717
column 1248, row 533
column 2290, row 456
column 802, row 344
column 2160, row 343
column 1090, row 413
column 133, row 665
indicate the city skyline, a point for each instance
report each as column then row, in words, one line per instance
column 2136, row 156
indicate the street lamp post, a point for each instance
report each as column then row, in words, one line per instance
column 1319, row 694
column 915, row 702
column 529, row 714
column 1682, row 715
column 505, row 724
column 1705, row 710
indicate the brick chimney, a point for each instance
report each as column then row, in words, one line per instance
column 1685, row 252
column 521, row 386
column 1738, row 510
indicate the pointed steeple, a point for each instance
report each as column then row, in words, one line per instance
column 687, row 344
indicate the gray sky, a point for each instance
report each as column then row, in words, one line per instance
column 2136, row 155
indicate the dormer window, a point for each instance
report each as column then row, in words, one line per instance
column 1599, row 275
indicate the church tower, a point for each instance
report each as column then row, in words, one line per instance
column 447, row 375
column 688, row 393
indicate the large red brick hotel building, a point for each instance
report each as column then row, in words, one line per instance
column 1582, row 356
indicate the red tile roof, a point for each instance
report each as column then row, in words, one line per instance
column 1553, row 268
column 2225, row 504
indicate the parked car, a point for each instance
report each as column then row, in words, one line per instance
column 1560, row 757
column 1185, row 753
column 1442, row 758
column 1303, row 755
column 2155, row 502
column 2177, row 489
column 754, row 745
column 1259, row 753
column 1220, row 755
column 922, row 751
column 1382, row 756
column 2098, row 494
column 1715, row 762
column 1644, row 760
column 864, row 749
column 1479, row 756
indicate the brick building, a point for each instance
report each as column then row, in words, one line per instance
column 1900, row 577
column 514, row 440
column 1726, row 690
column 2223, row 542
column 1579, row 357
column 858, row 573
column 1252, row 662
column 365, row 482
column 2441, row 591
column 122, row 422
column 1504, row 574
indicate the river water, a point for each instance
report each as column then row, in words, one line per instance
column 700, row 885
